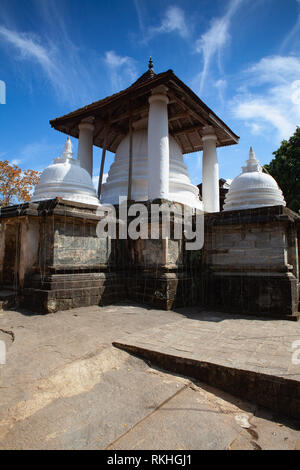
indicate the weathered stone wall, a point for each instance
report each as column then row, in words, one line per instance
column 2, row 249
column 53, row 250
column 29, row 248
column 76, row 244
column 263, row 246
column 10, row 259
column 250, row 261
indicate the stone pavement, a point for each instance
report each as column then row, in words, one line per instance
column 246, row 343
column 64, row 386
column 247, row 356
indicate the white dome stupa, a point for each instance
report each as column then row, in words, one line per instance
column 65, row 178
column 253, row 188
column 180, row 187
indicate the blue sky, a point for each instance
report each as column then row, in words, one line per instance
column 242, row 57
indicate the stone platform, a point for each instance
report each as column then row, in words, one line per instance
column 64, row 386
column 245, row 356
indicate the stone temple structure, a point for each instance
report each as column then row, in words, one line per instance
column 51, row 254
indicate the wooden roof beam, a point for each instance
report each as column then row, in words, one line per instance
column 178, row 116
column 127, row 114
column 186, row 108
column 187, row 130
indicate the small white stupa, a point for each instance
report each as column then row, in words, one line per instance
column 253, row 188
column 65, row 178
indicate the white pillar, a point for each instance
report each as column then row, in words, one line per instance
column 158, row 145
column 85, row 145
column 210, row 172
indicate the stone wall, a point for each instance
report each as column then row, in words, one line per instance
column 53, row 255
column 250, row 261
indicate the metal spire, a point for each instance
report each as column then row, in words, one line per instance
column 251, row 154
column 150, row 64
column 67, row 152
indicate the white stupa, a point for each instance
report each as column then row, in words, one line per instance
column 180, row 187
column 65, row 178
column 253, row 188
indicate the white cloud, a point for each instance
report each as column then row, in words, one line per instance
column 96, row 180
column 212, row 42
column 256, row 129
column 271, row 99
column 274, row 69
column 122, row 69
column 260, row 109
column 29, row 48
column 173, row 21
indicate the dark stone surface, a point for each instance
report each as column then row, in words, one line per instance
column 263, row 294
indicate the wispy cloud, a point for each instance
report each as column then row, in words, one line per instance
column 293, row 37
column 63, row 63
column 38, row 154
column 221, row 85
column 28, row 48
column 140, row 14
column 172, row 21
column 122, row 69
column 272, row 95
column 213, row 41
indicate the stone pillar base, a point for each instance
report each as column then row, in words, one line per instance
column 65, row 291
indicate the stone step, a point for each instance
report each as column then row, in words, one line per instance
column 277, row 393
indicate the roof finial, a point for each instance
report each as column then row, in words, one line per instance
column 252, row 164
column 251, row 154
column 150, row 65
column 67, row 152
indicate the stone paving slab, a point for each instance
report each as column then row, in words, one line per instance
column 65, row 387
column 247, row 348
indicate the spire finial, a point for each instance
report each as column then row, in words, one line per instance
column 150, row 64
column 252, row 164
column 251, row 154
column 67, row 152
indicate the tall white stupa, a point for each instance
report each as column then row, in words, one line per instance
column 253, row 188
column 180, row 188
column 65, row 178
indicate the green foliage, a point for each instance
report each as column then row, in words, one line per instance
column 285, row 168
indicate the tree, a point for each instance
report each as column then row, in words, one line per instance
column 16, row 184
column 285, row 168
